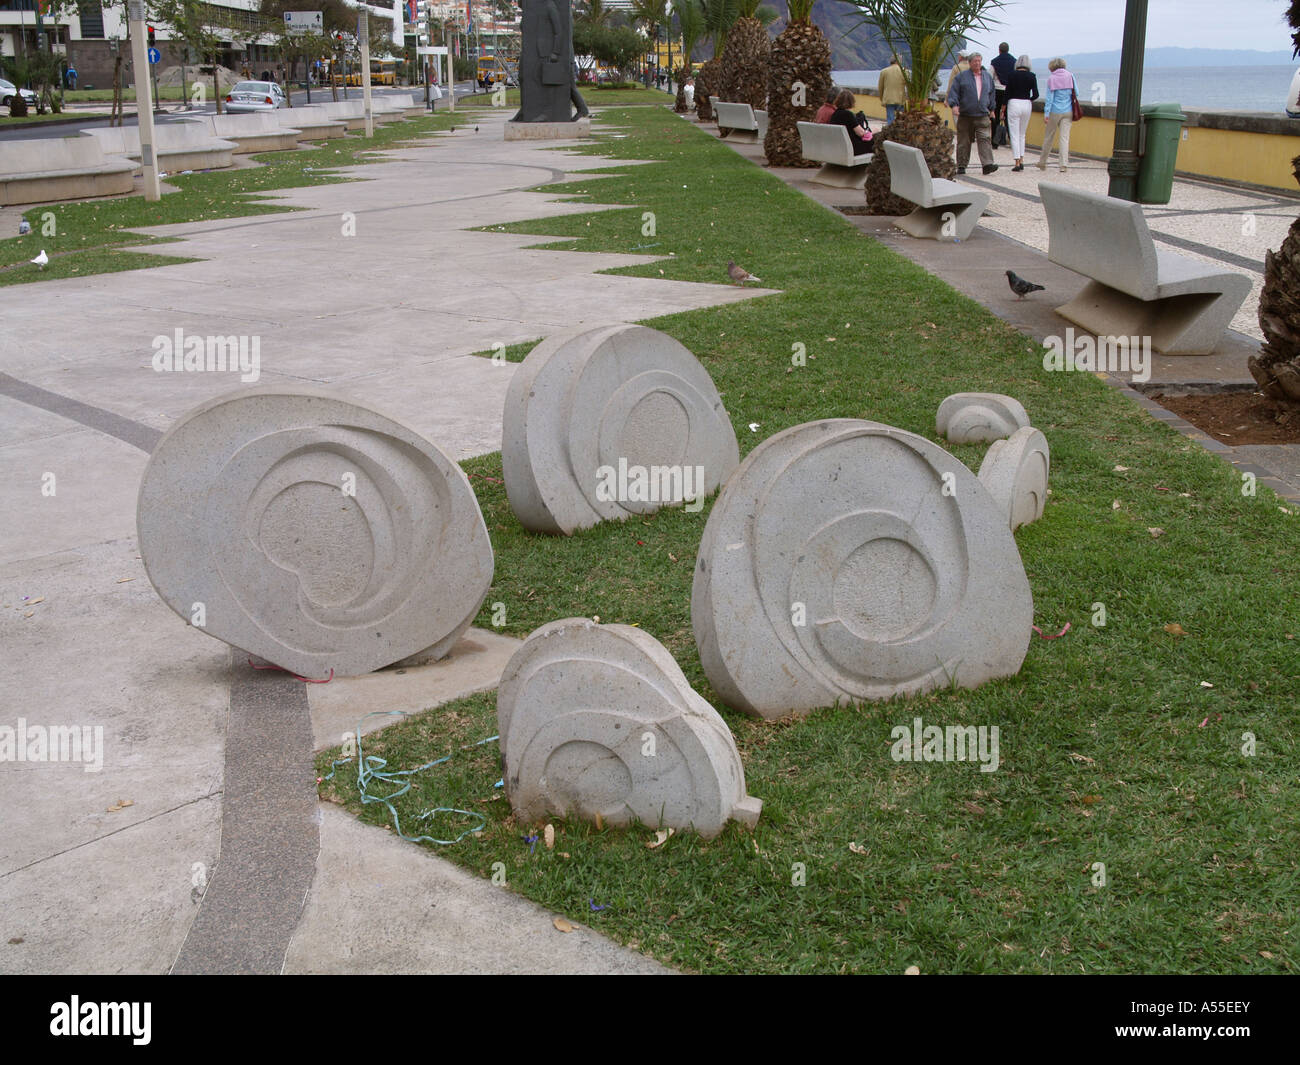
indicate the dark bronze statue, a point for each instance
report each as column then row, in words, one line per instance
column 547, row 92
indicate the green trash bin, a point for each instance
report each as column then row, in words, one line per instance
column 1162, row 127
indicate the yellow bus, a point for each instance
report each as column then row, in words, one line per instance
column 382, row 72
column 497, row 68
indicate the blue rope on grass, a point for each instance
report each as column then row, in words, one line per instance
column 372, row 768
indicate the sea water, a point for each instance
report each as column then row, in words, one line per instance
column 1259, row 88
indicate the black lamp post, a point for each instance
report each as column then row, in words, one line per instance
column 1123, row 167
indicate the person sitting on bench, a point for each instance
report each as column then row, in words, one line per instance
column 859, row 132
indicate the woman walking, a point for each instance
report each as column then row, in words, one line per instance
column 1058, row 112
column 1022, row 90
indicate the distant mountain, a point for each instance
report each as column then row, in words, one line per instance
column 854, row 44
column 1176, row 57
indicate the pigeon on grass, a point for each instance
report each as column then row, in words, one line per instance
column 739, row 274
column 41, row 259
column 1020, row 286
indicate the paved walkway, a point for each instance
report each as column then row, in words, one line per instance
column 221, row 859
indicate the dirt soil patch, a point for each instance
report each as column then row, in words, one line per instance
column 1237, row 417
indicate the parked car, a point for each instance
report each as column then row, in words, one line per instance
column 248, row 96
column 8, row 90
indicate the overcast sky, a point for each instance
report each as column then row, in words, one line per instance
column 1050, row 27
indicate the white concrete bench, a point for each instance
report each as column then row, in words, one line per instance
column 177, row 146
column 60, row 168
column 943, row 208
column 746, row 124
column 258, row 132
column 404, row 102
column 311, row 121
column 350, row 112
column 829, row 143
column 1136, row 289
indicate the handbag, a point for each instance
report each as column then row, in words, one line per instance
column 555, row 72
column 1076, row 110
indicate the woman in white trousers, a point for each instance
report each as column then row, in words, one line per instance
column 1022, row 91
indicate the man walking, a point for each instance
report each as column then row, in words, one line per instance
column 971, row 100
column 1004, row 65
column 892, row 87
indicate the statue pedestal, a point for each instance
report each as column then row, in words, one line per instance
column 548, row 131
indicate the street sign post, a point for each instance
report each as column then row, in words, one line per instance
column 299, row 23
column 154, row 56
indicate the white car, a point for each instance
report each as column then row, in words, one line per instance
column 8, row 90
column 249, row 96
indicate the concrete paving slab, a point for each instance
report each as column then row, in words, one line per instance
column 381, row 905
column 474, row 665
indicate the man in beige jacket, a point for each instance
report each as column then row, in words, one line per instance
column 892, row 87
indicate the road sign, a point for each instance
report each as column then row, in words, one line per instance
column 154, row 55
column 298, row 23
column 437, row 49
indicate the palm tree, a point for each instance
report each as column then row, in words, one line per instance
column 690, row 24
column 927, row 30
column 594, row 13
column 799, row 67
column 744, row 60
column 719, row 17
column 1277, row 369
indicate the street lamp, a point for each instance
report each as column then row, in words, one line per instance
column 1123, row 165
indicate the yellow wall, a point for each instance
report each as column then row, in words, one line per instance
column 1228, row 155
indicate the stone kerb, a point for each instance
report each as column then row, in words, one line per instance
column 979, row 417
column 598, row 721
column 603, row 423
column 318, row 534
column 1015, row 472
column 847, row 560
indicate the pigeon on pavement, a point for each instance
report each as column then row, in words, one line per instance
column 41, row 259
column 739, row 274
column 1020, row 286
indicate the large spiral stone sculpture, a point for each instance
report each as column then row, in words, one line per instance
column 617, row 406
column 848, row 560
column 315, row 533
column 599, row 722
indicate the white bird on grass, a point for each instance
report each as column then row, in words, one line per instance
column 41, row 259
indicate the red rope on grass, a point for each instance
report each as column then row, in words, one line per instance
column 1057, row 636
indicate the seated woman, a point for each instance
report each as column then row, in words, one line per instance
column 859, row 132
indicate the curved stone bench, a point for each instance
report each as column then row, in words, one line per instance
column 747, row 125
column 943, row 208
column 829, row 144
column 311, row 122
column 350, row 112
column 1184, row 305
column 178, row 146
column 406, row 103
column 387, row 108
column 251, row 133
column 63, row 168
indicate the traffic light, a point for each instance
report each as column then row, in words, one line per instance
column 151, row 40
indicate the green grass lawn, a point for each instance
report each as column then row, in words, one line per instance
column 595, row 97
column 7, row 122
column 1120, row 744
column 87, row 237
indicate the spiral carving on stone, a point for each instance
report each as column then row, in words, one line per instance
column 1015, row 472
column 848, row 560
column 315, row 533
column 598, row 720
column 607, row 422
